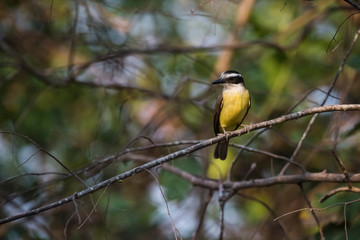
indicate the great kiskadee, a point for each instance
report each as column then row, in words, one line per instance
column 231, row 108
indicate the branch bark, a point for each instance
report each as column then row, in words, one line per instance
column 211, row 184
column 355, row 5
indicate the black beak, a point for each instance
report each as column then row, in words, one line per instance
column 218, row 81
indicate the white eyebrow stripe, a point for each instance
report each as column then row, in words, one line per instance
column 230, row 75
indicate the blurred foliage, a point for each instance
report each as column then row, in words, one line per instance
column 83, row 80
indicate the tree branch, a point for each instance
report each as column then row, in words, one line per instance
column 355, row 5
column 284, row 179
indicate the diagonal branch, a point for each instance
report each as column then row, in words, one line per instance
column 284, row 179
column 47, row 153
column 312, row 212
column 311, row 122
column 352, row 3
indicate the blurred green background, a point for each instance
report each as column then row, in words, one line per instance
column 84, row 80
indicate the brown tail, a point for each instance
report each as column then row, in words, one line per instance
column 221, row 150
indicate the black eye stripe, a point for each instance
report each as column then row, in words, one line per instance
column 232, row 77
column 235, row 80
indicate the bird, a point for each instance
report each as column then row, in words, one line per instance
column 231, row 108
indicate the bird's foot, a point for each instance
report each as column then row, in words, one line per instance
column 226, row 133
column 246, row 127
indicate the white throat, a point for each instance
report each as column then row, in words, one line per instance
column 234, row 87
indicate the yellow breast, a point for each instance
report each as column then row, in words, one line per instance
column 235, row 103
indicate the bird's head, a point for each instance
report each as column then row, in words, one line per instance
column 231, row 77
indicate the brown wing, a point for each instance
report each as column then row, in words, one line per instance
column 247, row 110
column 218, row 107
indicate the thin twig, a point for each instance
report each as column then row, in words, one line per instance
column 338, row 190
column 251, row 169
column 317, row 209
column 92, row 210
column 77, row 210
column 337, row 30
column 312, row 212
column 326, row 177
column 266, row 153
column 340, row 69
column 342, row 166
column 196, row 234
column 222, row 202
column 345, row 222
column 67, row 225
column 270, row 210
column 46, row 152
column 31, row 174
column 50, row 11
column 176, row 231
column 349, row 188
column 73, row 42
